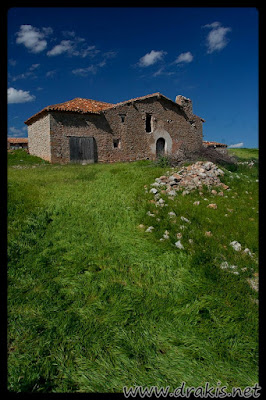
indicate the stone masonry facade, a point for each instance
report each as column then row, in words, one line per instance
column 39, row 138
column 121, row 131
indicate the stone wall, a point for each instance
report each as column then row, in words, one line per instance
column 167, row 121
column 66, row 124
column 120, row 132
column 39, row 138
column 186, row 104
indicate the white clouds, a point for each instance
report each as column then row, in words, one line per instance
column 90, row 51
column 151, row 58
column 85, row 71
column 159, row 72
column 109, row 54
column 73, row 46
column 216, row 39
column 33, row 38
column 34, row 66
column 19, row 96
column 165, row 69
column 47, row 31
column 12, row 62
column 50, row 74
column 236, row 146
column 27, row 74
column 162, row 71
column 76, row 47
column 17, row 132
column 69, row 33
column 65, row 46
column 212, row 25
column 93, row 69
column 184, row 58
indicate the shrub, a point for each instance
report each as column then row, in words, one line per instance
column 163, row 161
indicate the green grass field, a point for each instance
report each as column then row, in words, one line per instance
column 245, row 154
column 95, row 303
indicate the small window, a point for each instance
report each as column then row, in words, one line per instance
column 148, row 122
column 116, row 143
column 122, row 116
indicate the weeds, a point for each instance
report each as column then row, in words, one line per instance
column 163, row 162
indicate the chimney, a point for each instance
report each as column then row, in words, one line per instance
column 186, row 104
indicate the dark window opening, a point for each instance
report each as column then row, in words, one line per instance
column 116, row 143
column 148, row 122
column 122, row 116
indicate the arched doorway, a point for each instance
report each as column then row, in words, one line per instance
column 160, row 147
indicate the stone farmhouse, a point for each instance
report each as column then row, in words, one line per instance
column 220, row 147
column 17, row 143
column 84, row 130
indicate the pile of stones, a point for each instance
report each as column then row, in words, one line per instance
column 188, row 178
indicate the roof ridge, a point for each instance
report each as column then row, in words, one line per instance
column 83, row 106
column 73, row 100
column 139, row 98
column 84, row 98
column 104, row 102
column 77, row 104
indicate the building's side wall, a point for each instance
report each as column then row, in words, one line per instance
column 167, row 121
column 39, row 138
column 66, row 124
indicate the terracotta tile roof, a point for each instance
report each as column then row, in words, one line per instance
column 81, row 105
column 17, row 140
column 84, row 106
column 206, row 143
column 78, row 105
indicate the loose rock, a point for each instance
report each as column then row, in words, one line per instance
column 166, row 235
column 247, row 251
column 254, row 283
column 212, row 205
column 149, row 229
column 185, row 219
column 172, row 214
column 179, row 245
column 236, row 246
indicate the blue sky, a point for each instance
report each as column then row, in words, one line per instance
column 209, row 55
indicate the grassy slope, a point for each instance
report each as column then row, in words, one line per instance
column 95, row 303
column 245, row 154
column 21, row 157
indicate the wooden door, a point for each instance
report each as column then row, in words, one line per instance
column 82, row 149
